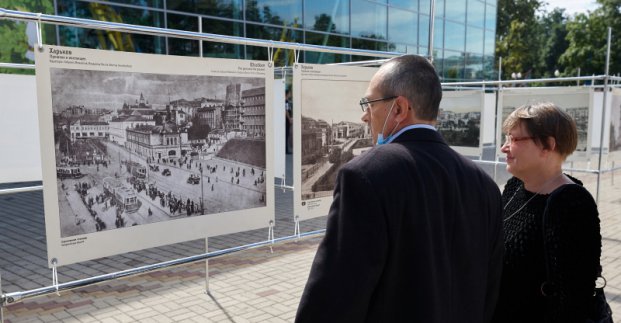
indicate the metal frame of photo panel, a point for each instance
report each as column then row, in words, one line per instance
column 229, row 107
column 462, row 103
column 564, row 97
column 326, row 124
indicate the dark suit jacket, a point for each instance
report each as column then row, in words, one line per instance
column 414, row 234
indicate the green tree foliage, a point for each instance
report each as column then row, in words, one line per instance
column 587, row 37
column 516, row 32
column 553, row 42
column 14, row 44
column 538, row 43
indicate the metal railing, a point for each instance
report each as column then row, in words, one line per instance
column 157, row 31
column 10, row 298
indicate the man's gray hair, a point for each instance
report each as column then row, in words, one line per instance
column 414, row 78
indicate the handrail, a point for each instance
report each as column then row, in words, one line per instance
column 18, row 66
column 524, row 81
column 157, row 31
column 10, row 298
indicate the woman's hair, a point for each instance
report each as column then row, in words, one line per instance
column 543, row 120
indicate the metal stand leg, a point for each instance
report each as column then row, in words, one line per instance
column 2, row 302
column 270, row 235
column 296, row 226
column 55, row 275
column 207, row 267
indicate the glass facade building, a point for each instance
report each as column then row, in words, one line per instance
column 464, row 36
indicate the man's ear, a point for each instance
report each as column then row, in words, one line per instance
column 402, row 108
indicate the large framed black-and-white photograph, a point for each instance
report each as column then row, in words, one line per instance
column 145, row 150
column 327, row 129
column 575, row 101
column 460, row 121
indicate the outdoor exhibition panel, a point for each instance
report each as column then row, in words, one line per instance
column 615, row 123
column 576, row 101
column 145, row 150
column 328, row 130
column 279, row 128
column 19, row 133
column 460, row 121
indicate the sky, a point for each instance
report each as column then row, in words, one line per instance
column 572, row 6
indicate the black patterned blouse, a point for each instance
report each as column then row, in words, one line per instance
column 573, row 245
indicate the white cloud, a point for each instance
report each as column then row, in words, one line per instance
column 572, row 6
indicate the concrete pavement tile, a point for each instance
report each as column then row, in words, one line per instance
column 274, row 320
column 142, row 313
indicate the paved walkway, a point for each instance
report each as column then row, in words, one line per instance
column 249, row 286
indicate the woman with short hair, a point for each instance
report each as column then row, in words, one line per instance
column 551, row 222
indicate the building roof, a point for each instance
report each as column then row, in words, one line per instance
column 253, row 92
column 130, row 119
column 89, row 123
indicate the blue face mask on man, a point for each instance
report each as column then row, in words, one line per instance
column 380, row 137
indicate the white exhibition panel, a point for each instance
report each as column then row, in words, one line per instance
column 279, row 129
column 489, row 114
column 328, row 130
column 615, row 124
column 596, row 124
column 576, row 101
column 460, row 121
column 133, row 144
column 19, row 129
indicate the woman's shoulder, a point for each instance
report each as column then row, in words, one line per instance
column 572, row 199
column 572, row 192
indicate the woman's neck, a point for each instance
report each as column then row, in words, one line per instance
column 545, row 181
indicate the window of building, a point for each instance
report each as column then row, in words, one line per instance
column 275, row 12
column 454, row 36
column 476, row 13
column 325, row 40
column 405, row 4
column 327, row 16
column 455, row 10
column 490, row 17
column 368, row 19
column 423, row 30
column 89, row 38
column 217, row 8
column 453, row 65
column 474, row 40
column 402, row 26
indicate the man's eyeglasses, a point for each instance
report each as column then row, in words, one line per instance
column 509, row 139
column 366, row 103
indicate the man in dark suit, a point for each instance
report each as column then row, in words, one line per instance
column 415, row 230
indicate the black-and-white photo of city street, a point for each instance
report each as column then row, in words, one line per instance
column 459, row 118
column 332, row 132
column 138, row 148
